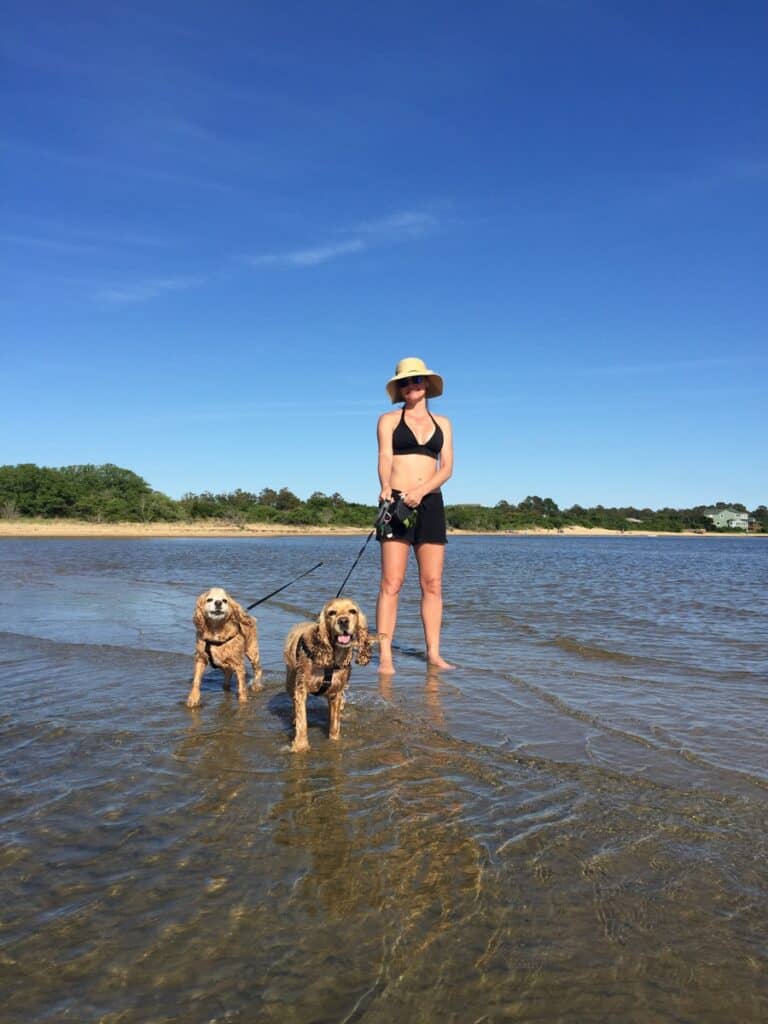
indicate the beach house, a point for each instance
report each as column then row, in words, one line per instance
column 729, row 518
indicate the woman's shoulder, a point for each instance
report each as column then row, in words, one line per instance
column 390, row 415
column 442, row 420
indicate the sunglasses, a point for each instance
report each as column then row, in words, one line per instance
column 417, row 380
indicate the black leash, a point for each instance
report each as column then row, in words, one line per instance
column 359, row 556
column 263, row 599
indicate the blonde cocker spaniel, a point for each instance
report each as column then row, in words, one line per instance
column 226, row 636
column 319, row 657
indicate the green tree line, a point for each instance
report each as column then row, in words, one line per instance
column 109, row 493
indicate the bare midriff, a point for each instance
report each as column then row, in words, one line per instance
column 409, row 471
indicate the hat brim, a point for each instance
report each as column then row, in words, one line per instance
column 434, row 385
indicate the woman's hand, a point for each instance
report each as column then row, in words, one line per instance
column 385, row 494
column 413, row 498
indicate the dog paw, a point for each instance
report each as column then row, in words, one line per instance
column 192, row 703
column 299, row 748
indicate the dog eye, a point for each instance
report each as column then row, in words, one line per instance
column 331, row 612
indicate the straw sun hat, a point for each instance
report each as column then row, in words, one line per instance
column 413, row 367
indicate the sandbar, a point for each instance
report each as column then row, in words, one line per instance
column 71, row 528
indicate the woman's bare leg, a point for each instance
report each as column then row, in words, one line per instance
column 431, row 558
column 394, row 562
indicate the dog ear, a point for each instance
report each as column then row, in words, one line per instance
column 364, row 642
column 323, row 644
column 198, row 618
column 239, row 615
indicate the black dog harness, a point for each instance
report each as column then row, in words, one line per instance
column 327, row 672
column 216, row 643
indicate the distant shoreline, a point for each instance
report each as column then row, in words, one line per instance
column 74, row 528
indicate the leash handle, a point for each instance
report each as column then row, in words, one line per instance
column 359, row 556
column 263, row 599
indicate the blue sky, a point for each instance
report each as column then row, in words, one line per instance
column 224, row 223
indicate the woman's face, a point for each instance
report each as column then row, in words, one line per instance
column 413, row 387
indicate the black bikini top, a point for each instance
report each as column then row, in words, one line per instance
column 404, row 441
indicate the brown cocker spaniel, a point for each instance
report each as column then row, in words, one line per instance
column 226, row 636
column 319, row 656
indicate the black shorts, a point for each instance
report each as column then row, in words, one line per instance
column 429, row 527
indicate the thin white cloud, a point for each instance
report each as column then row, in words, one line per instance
column 311, row 257
column 146, row 290
column 81, row 239
column 403, row 226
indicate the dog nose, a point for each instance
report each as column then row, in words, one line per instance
column 344, row 622
column 217, row 603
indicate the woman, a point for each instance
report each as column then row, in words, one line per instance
column 415, row 459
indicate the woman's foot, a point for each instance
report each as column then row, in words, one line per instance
column 435, row 661
column 386, row 665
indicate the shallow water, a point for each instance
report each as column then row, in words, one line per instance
column 568, row 827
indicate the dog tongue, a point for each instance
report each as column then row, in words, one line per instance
column 344, row 638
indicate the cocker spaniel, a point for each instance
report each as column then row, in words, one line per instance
column 226, row 636
column 319, row 657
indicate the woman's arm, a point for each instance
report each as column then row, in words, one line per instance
column 384, row 434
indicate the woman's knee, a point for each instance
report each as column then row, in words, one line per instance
column 391, row 584
column 431, row 586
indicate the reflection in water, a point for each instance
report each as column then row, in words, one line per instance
column 313, row 816
column 386, row 859
column 433, row 681
column 435, row 714
column 386, row 686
